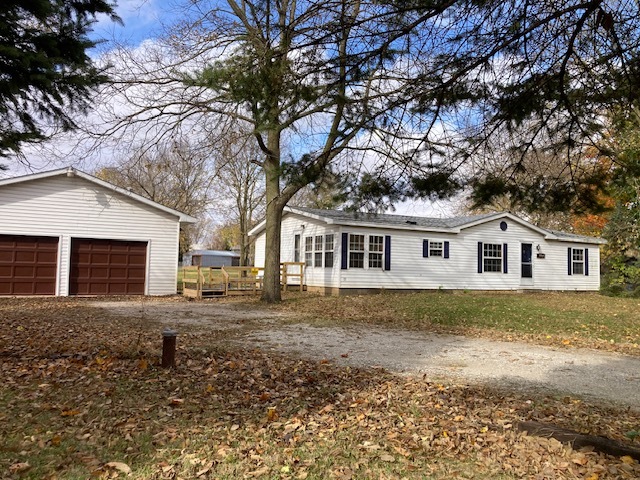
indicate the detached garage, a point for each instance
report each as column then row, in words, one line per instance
column 65, row 232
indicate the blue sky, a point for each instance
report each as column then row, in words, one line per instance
column 142, row 19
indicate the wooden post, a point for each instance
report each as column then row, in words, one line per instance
column 169, row 348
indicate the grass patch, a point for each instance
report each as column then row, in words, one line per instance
column 587, row 320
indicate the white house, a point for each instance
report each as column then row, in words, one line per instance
column 65, row 232
column 349, row 252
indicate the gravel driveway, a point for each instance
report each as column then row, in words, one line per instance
column 586, row 373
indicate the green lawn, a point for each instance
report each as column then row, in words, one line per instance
column 583, row 319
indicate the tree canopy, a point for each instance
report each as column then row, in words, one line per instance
column 406, row 98
column 45, row 73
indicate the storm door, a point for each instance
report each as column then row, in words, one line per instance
column 527, row 261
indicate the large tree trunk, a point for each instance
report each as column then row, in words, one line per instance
column 275, row 205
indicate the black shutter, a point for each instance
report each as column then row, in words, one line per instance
column 586, row 261
column 387, row 252
column 425, row 248
column 479, row 257
column 504, row 258
column 344, row 251
column 446, row 249
column 569, row 259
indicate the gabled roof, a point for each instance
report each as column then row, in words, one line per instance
column 72, row 172
column 425, row 224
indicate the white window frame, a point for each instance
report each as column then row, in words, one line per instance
column 436, row 248
column 492, row 255
column 308, row 251
column 359, row 254
column 329, row 245
column 577, row 260
column 375, row 254
column 318, row 243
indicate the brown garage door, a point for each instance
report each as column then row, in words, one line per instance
column 28, row 265
column 107, row 267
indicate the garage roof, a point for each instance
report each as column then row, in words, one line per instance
column 72, row 172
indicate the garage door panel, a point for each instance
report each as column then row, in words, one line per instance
column 47, row 257
column 28, row 265
column 25, row 256
column 107, row 267
column 25, row 271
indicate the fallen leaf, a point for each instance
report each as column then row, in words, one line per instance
column 121, row 467
column 19, row 467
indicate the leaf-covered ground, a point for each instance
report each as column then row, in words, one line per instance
column 82, row 396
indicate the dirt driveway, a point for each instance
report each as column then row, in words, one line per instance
column 594, row 375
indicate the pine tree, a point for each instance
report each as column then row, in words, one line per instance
column 45, row 72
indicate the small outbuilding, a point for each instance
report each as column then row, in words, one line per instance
column 211, row 258
column 352, row 252
column 65, row 232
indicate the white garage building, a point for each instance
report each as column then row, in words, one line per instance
column 65, row 232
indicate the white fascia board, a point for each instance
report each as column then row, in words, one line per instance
column 70, row 171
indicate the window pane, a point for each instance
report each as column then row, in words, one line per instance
column 356, row 243
column 578, row 268
column 356, row 259
column 308, row 251
column 376, row 243
column 328, row 259
column 318, row 242
column 328, row 242
column 317, row 259
column 375, row 260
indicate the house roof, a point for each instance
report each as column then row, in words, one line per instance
column 426, row 224
column 72, row 172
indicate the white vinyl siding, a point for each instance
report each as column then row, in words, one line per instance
column 73, row 207
column 410, row 270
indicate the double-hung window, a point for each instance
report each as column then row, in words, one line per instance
column 317, row 252
column 328, row 250
column 376, row 247
column 435, row 249
column 308, row 251
column 577, row 261
column 356, row 251
column 492, row 257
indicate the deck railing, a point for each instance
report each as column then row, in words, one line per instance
column 199, row 282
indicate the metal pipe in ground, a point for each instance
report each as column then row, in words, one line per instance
column 169, row 348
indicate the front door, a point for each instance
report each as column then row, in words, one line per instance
column 527, row 263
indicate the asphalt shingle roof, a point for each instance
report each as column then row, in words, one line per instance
column 393, row 220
